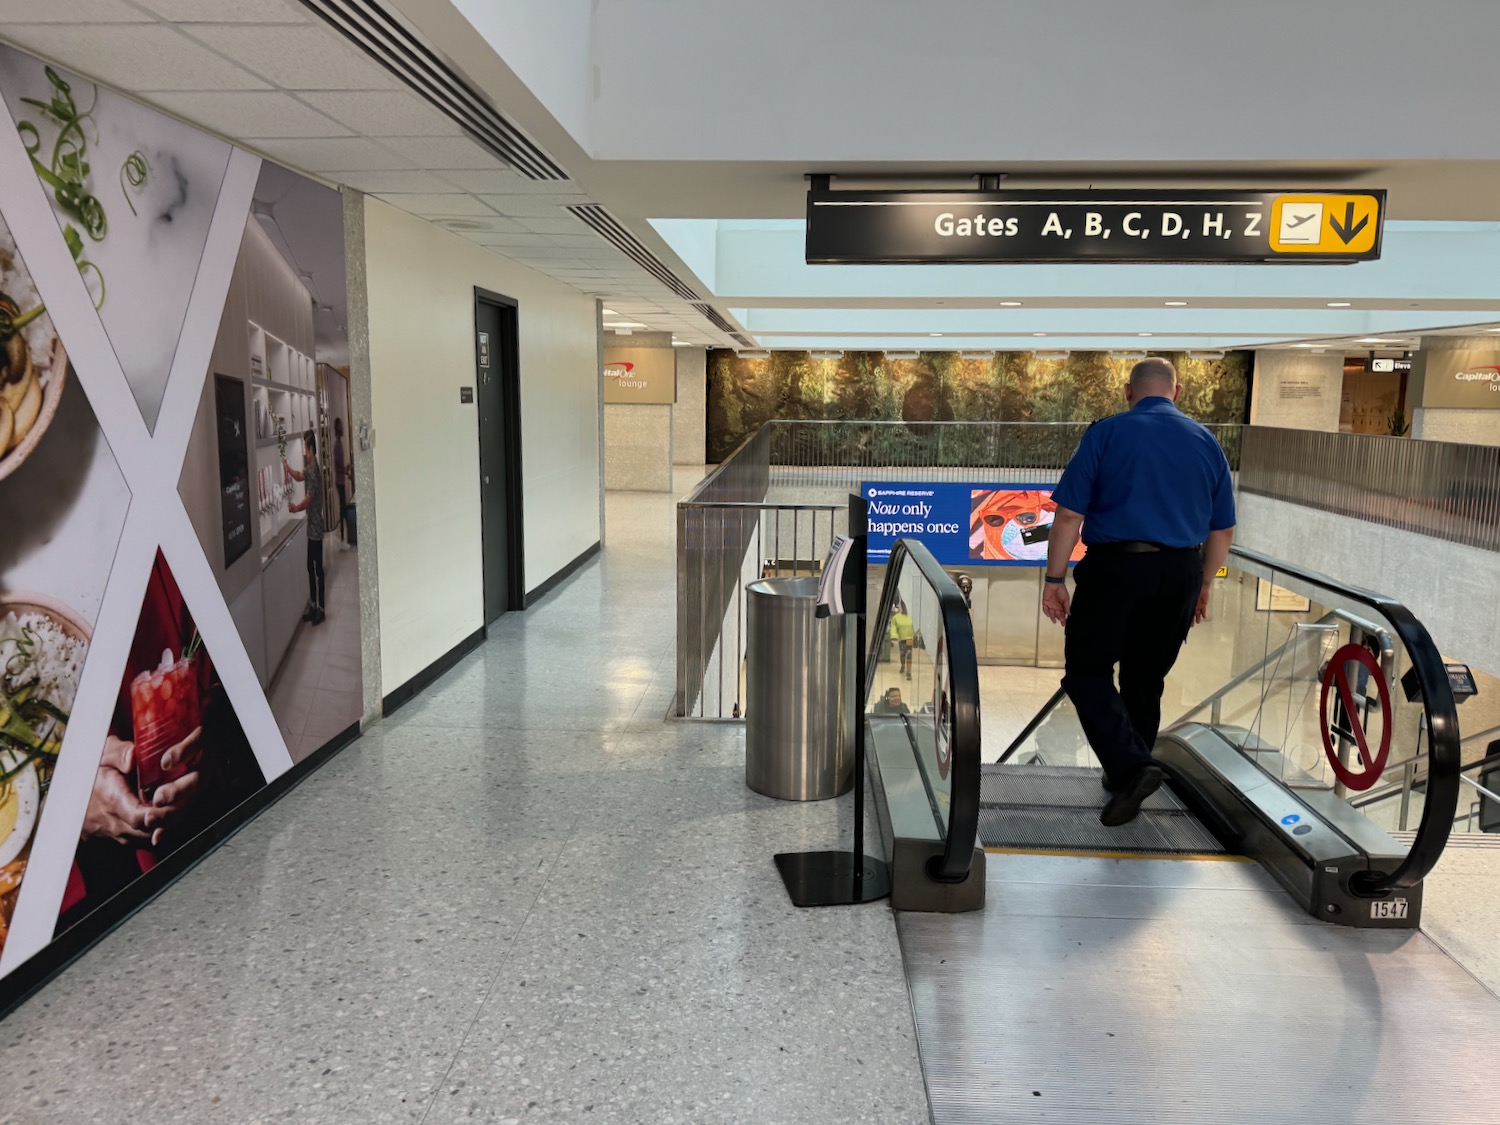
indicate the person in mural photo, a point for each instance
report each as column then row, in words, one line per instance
column 311, row 475
column 1150, row 492
column 175, row 758
column 341, row 481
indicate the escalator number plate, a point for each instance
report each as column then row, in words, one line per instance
column 1395, row 908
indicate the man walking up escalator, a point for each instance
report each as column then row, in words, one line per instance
column 1151, row 494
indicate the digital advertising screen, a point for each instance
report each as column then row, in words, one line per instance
column 964, row 524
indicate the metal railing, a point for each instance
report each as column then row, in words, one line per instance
column 842, row 454
column 772, row 508
column 1435, row 488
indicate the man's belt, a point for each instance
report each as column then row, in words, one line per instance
column 1137, row 547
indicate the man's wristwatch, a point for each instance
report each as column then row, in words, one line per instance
column 1056, row 581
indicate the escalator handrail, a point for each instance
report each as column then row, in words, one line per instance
column 1444, row 749
column 963, row 685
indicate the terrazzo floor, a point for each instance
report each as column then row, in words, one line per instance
column 523, row 898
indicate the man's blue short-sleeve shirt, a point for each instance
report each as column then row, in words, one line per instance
column 1151, row 474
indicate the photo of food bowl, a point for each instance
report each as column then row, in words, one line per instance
column 43, row 645
column 33, row 364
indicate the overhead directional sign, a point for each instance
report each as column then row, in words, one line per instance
column 887, row 227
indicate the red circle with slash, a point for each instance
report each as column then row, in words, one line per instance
column 1336, row 677
column 940, row 708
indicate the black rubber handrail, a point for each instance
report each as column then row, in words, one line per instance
column 1444, row 751
column 963, row 686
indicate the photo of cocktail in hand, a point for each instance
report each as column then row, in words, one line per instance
column 164, row 715
column 175, row 759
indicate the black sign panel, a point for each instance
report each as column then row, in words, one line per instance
column 234, row 465
column 887, row 227
column 465, row 394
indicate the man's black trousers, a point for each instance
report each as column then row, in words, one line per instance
column 1134, row 610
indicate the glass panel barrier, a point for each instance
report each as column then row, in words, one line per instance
column 923, row 676
column 1338, row 693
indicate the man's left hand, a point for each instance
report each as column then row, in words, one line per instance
column 1057, row 603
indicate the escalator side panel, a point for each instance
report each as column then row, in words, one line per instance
column 1270, row 824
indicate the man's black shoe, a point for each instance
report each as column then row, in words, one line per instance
column 1126, row 802
column 1109, row 785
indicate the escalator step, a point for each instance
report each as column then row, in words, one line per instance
column 1057, row 807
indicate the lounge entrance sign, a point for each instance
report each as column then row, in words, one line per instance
column 888, row 227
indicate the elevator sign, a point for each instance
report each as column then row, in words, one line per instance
column 888, row 227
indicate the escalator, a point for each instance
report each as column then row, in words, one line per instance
column 1295, row 698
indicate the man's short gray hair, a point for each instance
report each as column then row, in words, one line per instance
column 1154, row 373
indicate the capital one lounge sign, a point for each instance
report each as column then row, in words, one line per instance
column 1462, row 379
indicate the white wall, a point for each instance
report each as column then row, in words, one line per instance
column 1450, row 587
column 1467, row 427
column 690, row 412
column 1297, row 391
column 1075, row 80
column 426, row 453
column 548, row 45
column 638, row 447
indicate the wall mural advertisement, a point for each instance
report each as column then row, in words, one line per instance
column 171, row 309
column 745, row 392
column 963, row 524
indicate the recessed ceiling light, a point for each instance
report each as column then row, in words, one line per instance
column 1011, row 304
column 609, row 312
column 934, row 333
column 1039, row 333
column 1175, row 304
column 1338, row 304
column 1143, row 333
column 1492, row 329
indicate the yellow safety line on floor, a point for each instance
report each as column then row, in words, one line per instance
column 1202, row 857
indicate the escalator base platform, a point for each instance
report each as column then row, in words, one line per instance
column 1056, row 808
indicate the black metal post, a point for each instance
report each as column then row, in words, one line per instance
column 844, row 878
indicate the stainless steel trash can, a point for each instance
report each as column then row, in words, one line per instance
column 799, row 693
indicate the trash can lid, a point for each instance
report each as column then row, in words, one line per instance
column 785, row 587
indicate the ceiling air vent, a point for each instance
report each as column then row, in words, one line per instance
column 711, row 315
column 388, row 41
column 610, row 229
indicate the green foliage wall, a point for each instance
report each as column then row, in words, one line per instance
column 743, row 393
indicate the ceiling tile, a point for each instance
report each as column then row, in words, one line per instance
column 451, row 203
column 581, row 241
column 502, row 181
column 75, row 11
column 226, row 11
column 542, row 206
column 376, row 183
column 295, row 58
column 134, row 57
column 549, row 253
column 354, row 154
column 562, row 225
column 383, row 113
column 443, row 153
column 248, row 114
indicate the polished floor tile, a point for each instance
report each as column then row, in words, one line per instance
column 524, row 897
